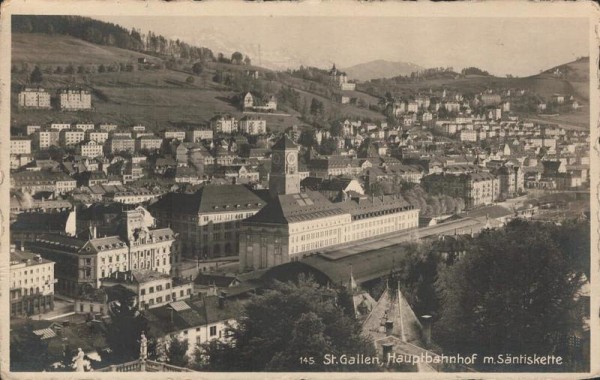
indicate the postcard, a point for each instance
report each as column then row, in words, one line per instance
column 299, row 190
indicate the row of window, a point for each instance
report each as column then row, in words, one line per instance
column 159, row 288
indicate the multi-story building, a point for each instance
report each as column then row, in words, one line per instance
column 253, row 125
column 149, row 143
column 82, row 262
column 37, row 181
column 152, row 288
column 197, row 135
column 31, row 129
column 75, row 99
column 20, row 145
column 224, row 124
column 208, row 221
column 132, row 196
column 34, row 98
column 97, row 135
column 71, row 137
column 476, row 189
column 296, row 224
column 90, row 149
column 31, row 283
column 118, row 144
column 60, row 126
column 334, row 166
column 171, row 134
column 512, row 180
column 85, row 126
column 107, row 127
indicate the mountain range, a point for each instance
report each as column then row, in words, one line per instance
column 380, row 69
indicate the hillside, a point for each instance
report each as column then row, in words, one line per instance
column 380, row 69
column 34, row 48
column 158, row 97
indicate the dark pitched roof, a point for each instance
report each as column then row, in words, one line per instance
column 41, row 221
column 210, row 198
column 291, row 208
column 284, row 143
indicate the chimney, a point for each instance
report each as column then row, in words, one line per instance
column 222, row 299
column 389, row 327
column 426, row 323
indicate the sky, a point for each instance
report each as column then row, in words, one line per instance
column 516, row 46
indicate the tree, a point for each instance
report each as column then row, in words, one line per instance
column 512, row 292
column 247, row 61
column 125, row 329
column 237, row 58
column 197, row 68
column 70, row 69
column 316, row 107
column 101, row 68
column 36, row 75
column 285, row 323
column 177, row 352
column 189, row 80
column 27, row 351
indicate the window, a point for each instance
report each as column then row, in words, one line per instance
column 213, row 330
column 151, row 290
column 159, row 300
column 168, row 286
column 143, row 292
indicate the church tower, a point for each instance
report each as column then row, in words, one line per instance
column 284, row 177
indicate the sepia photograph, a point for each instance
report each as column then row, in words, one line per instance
column 381, row 189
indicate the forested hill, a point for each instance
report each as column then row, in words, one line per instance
column 103, row 33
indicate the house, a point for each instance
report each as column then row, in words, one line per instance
column 148, row 143
column 90, row 149
column 558, row 98
column 151, row 288
column 224, row 124
column 20, row 145
column 31, row 283
column 340, row 79
column 198, row 135
column 198, row 320
column 254, row 103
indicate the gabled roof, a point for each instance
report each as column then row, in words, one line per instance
column 210, row 198
column 290, row 208
column 284, row 143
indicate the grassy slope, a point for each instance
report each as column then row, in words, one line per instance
column 155, row 98
column 60, row 49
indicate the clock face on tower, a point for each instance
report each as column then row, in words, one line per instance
column 276, row 158
column 291, row 158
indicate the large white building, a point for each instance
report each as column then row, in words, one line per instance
column 296, row 224
column 31, row 283
column 253, row 125
column 34, row 98
column 83, row 262
column 73, row 100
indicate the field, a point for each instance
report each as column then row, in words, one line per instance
column 47, row 49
